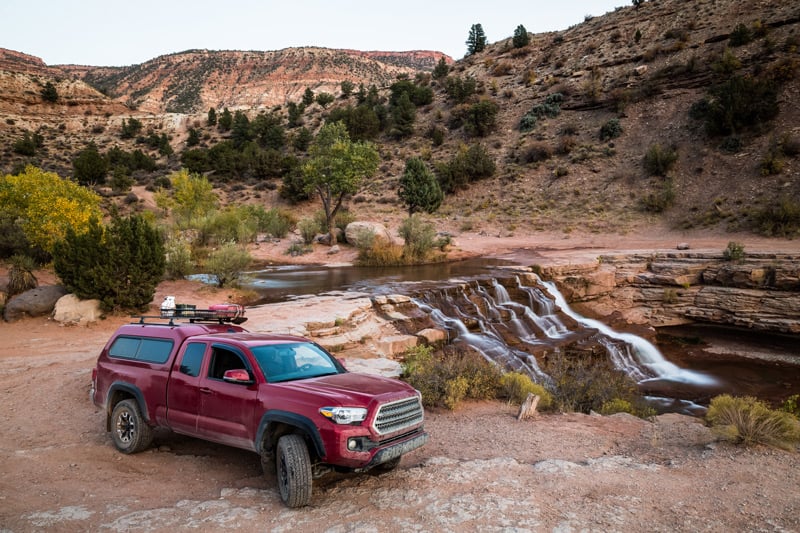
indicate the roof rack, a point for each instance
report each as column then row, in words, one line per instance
column 222, row 314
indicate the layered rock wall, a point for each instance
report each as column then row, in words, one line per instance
column 760, row 292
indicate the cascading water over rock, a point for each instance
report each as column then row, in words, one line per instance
column 511, row 331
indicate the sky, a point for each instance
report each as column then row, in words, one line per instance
column 120, row 33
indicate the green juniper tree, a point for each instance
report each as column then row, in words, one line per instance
column 419, row 188
column 521, row 37
column 441, row 70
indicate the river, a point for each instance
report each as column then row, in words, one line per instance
column 693, row 363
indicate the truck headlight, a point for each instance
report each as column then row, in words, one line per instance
column 344, row 415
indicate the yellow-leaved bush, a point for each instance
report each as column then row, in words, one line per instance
column 45, row 205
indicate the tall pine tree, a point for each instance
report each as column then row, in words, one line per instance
column 476, row 41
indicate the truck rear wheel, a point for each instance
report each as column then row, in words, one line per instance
column 293, row 467
column 130, row 432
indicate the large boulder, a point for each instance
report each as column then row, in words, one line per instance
column 355, row 231
column 35, row 302
column 72, row 310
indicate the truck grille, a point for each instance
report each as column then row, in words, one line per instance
column 398, row 416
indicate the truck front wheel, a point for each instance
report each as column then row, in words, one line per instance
column 293, row 467
column 130, row 432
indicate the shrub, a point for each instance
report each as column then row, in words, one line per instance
column 772, row 162
column 120, row 265
column 792, row 405
column 610, row 130
column 480, row 118
column 309, row 229
column 740, row 103
column 616, row 405
column 375, row 251
column 178, row 258
column 550, row 108
column 516, row 386
column 20, row 275
column 233, row 224
column 276, row 222
column 584, row 381
column 740, row 35
column 749, row 421
column 658, row 160
column 780, row 219
column 445, row 379
column 298, row 248
column 468, row 165
column 660, row 200
column 734, row 252
column 227, row 263
column 459, row 89
column 537, row 152
column 45, row 206
column 419, row 238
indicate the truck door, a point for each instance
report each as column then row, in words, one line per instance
column 227, row 409
column 183, row 390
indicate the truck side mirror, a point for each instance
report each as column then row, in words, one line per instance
column 237, row 375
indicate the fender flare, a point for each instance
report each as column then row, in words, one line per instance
column 300, row 422
column 132, row 390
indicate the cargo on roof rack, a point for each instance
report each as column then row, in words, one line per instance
column 221, row 313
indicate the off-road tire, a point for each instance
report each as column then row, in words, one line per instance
column 129, row 430
column 293, row 470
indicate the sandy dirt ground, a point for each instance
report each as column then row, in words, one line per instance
column 482, row 470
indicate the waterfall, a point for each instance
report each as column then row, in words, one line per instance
column 488, row 342
column 636, row 353
column 485, row 317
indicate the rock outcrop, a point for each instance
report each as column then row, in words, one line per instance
column 760, row 292
column 35, row 302
column 70, row 310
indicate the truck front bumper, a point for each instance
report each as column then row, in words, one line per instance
column 393, row 451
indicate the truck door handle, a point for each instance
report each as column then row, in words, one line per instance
column 206, row 390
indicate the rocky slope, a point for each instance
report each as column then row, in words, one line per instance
column 645, row 68
column 196, row 80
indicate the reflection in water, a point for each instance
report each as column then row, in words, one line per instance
column 281, row 283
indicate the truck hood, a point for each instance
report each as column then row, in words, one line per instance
column 353, row 389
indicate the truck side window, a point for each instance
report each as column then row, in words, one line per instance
column 222, row 360
column 193, row 359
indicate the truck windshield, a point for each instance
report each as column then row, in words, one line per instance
column 288, row 362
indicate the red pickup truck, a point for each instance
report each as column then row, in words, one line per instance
column 281, row 396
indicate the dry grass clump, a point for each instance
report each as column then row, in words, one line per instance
column 747, row 420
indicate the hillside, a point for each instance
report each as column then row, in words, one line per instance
column 195, row 80
column 645, row 69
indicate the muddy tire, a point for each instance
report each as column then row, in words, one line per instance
column 129, row 430
column 293, row 470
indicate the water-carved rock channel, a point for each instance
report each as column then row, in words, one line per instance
column 513, row 318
